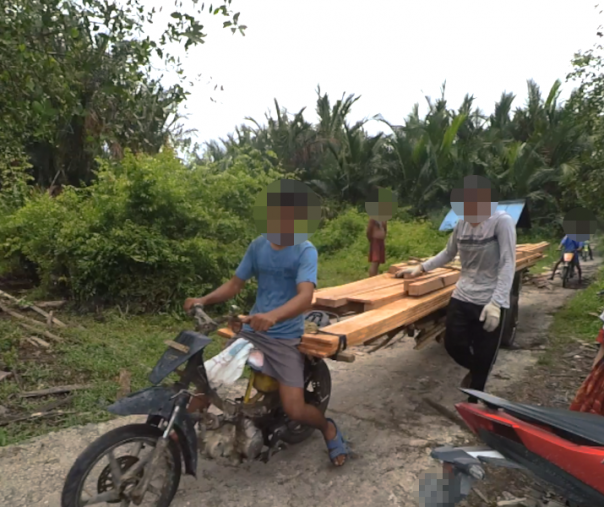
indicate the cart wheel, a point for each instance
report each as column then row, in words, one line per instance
column 511, row 324
column 511, row 316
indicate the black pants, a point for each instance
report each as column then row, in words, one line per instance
column 469, row 344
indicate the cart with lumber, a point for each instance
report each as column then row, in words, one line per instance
column 385, row 306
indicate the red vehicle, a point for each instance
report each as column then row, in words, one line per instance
column 563, row 450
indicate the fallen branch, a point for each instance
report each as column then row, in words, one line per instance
column 17, row 315
column 51, row 304
column 37, row 415
column 446, row 413
column 481, row 495
column 34, row 308
column 38, row 342
column 47, row 334
column 54, row 390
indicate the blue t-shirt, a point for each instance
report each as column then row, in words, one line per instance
column 278, row 273
column 569, row 244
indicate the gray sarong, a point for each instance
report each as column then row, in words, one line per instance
column 282, row 359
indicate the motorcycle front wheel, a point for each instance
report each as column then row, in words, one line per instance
column 113, row 454
column 565, row 275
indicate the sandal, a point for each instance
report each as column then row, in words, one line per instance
column 338, row 446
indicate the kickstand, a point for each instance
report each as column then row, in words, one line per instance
column 275, row 444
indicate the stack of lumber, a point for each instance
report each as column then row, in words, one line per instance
column 385, row 303
column 374, row 323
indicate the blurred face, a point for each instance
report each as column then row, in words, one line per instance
column 381, row 205
column 287, row 212
column 474, row 203
column 579, row 224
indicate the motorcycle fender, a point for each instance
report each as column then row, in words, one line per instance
column 157, row 401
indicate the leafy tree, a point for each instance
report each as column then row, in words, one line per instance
column 75, row 81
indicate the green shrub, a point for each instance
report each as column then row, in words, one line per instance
column 148, row 232
column 344, row 248
column 341, row 232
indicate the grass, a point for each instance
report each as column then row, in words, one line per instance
column 574, row 322
column 95, row 352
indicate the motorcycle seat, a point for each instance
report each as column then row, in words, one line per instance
column 589, row 427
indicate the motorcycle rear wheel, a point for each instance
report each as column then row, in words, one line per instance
column 95, row 452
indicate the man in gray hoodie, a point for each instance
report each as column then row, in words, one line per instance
column 485, row 240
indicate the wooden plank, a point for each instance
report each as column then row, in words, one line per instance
column 422, row 288
column 378, row 294
column 341, row 298
column 360, row 328
column 445, row 280
column 225, row 332
column 177, row 346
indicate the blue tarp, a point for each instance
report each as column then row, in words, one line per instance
column 516, row 209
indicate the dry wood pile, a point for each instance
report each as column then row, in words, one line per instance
column 384, row 303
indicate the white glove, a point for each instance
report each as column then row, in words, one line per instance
column 491, row 315
column 410, row 272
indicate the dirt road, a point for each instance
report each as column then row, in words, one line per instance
column 377, row 402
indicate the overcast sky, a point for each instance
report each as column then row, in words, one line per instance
column 390, row 52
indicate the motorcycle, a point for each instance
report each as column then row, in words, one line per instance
column 586, row 252
column 139, row 462
column 563, row 450
column 568, row 267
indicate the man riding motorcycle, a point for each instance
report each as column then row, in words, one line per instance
column 569, row 245
column 286, row 271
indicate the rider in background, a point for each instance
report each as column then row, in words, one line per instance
column 587, row 245
column 569, row 245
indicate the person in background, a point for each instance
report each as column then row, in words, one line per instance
column 376, row 234
column 590, row 396
column 568, row 245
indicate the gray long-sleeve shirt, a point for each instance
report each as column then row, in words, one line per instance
column 488, row 259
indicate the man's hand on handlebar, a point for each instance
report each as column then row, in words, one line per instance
column 260, row 321
column 192, row 302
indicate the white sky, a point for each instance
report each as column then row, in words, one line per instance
column 391, row 52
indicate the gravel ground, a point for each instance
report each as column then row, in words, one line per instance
column 377, row 401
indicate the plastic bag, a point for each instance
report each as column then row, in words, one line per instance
column 227, row 367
